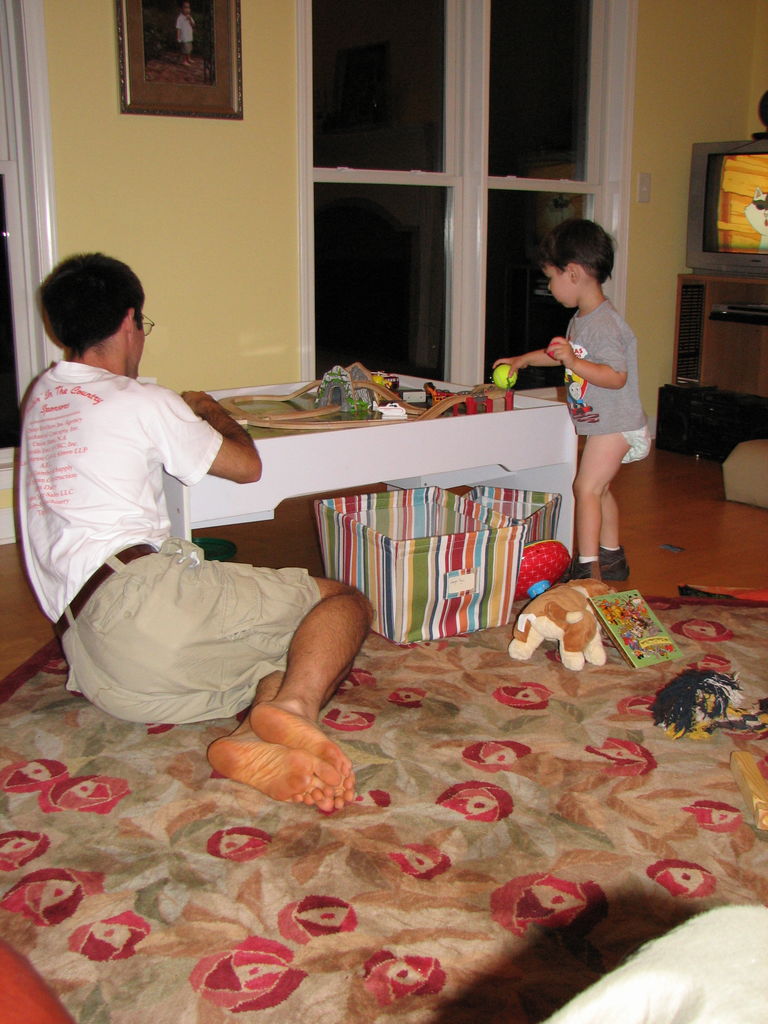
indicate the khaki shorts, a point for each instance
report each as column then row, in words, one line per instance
column 175, row 638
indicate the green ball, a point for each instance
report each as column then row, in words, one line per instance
column 504, row 377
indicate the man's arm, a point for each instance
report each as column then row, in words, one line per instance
column 237, row 459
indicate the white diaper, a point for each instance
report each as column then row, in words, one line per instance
column 639, row 442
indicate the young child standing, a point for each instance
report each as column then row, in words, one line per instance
column 600, row 359
column 185, row 33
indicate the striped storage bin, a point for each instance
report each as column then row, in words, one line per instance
column 536, row 511
column 433, row 564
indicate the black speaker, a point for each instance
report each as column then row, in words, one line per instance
column 705, row 421
column 674, row 426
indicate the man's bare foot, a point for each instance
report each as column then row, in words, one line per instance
column 277, row 724
column 280, row 772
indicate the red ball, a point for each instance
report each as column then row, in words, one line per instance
column 543, row 560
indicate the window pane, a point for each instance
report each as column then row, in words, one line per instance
column 521, row 315
column 380, row 277
column 9, row 399
column 538, row 88
column 378, row 84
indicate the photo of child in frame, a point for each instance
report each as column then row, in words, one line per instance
column 178, row 41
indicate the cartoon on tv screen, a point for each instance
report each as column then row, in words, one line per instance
column 742, row 216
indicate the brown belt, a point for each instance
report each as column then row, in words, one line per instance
column 92, row 584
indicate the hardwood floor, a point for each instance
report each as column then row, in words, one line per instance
column 672, row 501
column 23, row 627
column 677, row 529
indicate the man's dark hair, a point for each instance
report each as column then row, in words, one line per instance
column 578, row 241
column 86, row 297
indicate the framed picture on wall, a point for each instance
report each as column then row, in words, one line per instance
column 180, row 58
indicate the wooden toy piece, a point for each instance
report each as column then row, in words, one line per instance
column 454, row 400
column 236, row 402
column 753, row 786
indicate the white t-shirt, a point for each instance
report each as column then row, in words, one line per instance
column 184, row 29
column 90, row 477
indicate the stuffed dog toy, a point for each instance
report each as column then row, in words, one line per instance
column 562, row 613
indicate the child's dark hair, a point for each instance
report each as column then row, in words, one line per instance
column 578, row 241
column 86, row 297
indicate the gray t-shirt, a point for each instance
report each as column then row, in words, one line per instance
column 602, row 336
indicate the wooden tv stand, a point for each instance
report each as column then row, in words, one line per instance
column 727, row 351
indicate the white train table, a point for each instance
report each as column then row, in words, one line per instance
column 532, row 447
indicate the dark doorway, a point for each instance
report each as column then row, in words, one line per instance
column 9, row 393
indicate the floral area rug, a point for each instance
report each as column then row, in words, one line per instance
column 519, row 830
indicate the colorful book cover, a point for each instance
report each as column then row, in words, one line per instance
column 634, row 629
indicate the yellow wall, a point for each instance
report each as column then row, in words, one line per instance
column 759, row 79
column 203, row 209
column 206, row 210
column 702, row 66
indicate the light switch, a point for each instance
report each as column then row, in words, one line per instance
column 643, row 187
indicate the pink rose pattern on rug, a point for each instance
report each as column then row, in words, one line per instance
column 518, row 830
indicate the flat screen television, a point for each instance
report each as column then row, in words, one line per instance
column 728, row 208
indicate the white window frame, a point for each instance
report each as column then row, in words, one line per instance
column 466, row 166
column 27, row 165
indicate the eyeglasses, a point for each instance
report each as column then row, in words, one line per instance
column 146, row 324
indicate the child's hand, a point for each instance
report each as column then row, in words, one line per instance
column 514, row 362
column 560, row 350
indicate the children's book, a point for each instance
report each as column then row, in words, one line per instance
column 634, row 629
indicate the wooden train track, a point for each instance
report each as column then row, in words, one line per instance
column 320, row 418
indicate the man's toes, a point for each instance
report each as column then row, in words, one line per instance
column 327, row 777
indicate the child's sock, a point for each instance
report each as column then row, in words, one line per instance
column 588, row 558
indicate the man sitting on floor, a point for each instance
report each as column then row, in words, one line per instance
column 151, row 631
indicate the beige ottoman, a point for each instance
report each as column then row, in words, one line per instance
column 745, row 473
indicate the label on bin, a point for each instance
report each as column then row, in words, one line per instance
column 460, row 581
